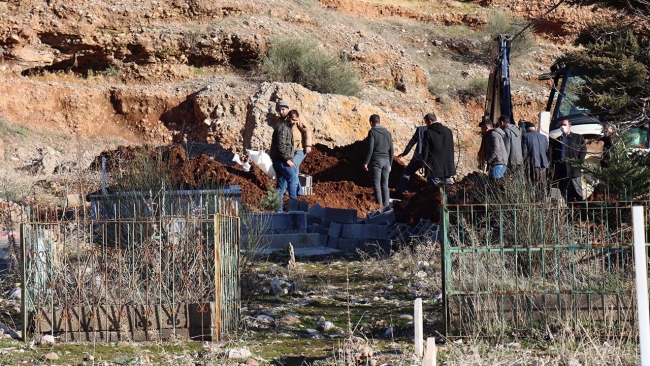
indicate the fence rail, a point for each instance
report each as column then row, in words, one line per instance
column 517, row 267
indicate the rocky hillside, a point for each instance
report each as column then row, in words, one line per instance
column 79, row 77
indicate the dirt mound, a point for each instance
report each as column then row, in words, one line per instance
column 339, row 180
column 345, row 163
column 188, row 173
column 425, row 203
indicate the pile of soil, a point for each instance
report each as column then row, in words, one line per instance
column 183, row 172
column 338, row 178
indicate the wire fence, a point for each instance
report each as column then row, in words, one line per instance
column 516, row 268
column 139, row 278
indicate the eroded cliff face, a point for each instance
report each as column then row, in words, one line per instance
column 166, row 71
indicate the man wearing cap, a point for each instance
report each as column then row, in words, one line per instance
column 438, row 152
column 492, row 154
column 534, row 149
column 416, row 161
column 379, row 158
column 302, row 136
column 282, row 154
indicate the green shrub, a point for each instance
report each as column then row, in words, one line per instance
column 272, row 201
column 302, row 61
column 616, row 64
column 626, row 173
column 501, row 23
column 8, row 129
column 476, row 88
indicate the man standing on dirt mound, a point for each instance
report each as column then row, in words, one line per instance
column 416, row 161
column 302, row 141
column 438, row 151
column 282, row 155
column 379, row 156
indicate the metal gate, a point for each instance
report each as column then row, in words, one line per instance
column 139, row 279
column 515, row 268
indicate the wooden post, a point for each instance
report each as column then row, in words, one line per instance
column 417, row 322
column 431, row 354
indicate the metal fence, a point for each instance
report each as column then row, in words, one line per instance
column 517, row 268
column 140, row 278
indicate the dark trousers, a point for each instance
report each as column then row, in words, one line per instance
column 379, row 171
column 571, row 188
column 409, row 171
column 538, row 181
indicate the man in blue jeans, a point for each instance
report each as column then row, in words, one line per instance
column 302, row 140
column 282, row 157
column 379, row 156
column 492, row 154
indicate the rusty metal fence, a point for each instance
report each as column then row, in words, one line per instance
column 140, row 278
column 512, row 269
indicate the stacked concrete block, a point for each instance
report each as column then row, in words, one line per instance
column 385, row 215
column 274, row 223
column 340, row 215
column 316, row 210
column 347, row 232
column 335, row 228
column 318, row 229
column 297, row 205
column 306, row 188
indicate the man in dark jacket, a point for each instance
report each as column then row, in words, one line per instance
column 379, row 156
column 438, row 152
column 492, row 154
column 566, row 147
column 535, row 150
column 282, row 157
column 416, row 161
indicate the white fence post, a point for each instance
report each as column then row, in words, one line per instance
column 640, row 263
column 417, row 322
column 431, row 354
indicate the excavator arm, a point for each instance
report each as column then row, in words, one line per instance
column 498, row 101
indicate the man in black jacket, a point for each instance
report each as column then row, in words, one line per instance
column 438, row 152
column 282, row 157
column 416, row 161
column 379, row 156
column 535, row 153
column 566, row 147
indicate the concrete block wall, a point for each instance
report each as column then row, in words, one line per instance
column 335, row 228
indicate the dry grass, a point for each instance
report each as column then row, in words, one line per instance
column 429, row 6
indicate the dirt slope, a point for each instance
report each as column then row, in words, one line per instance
column 86, row 76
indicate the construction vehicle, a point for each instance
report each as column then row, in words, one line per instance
column 562, row 103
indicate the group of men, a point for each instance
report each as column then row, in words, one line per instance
column 505, row 148
column 434, row 152
column 290, row 143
